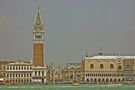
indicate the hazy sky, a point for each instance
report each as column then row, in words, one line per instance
column 71, row 27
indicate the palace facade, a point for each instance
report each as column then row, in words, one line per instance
column 109, row 69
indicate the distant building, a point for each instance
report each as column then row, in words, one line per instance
column 109, row 69
column 58, row 75
column 18, row 72
column 3, row 63
column 54, row 74
column 50, row 73
column 72, row 71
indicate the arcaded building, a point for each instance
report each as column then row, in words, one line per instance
column 109, row 69
column 19, row 71
column 3, row 63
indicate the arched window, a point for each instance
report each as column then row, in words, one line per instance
column 7, row 75
column 39, row 73
column 13, row 68
column 119, row 67
column 103, row 80
column 87, row 80
column 10, row 75
column 99, row 80
column 101, row 66
column 115, row 80
column 10, row 68
column 92, row 74
column 24, row 75
column 27, row 68
column 111, row 80
column 95, row 80
column 71, row 76
column 35, row 73
column 7, row 68
column 91, row 80
column 13, row 75
column 119, row 80
column 42, row 73
column 30, row 75
column 91, row 66
column 27, row 75
column 123, row 80
column 107, row 80
column 111, row 66
column 86, row 74
column 21, row 75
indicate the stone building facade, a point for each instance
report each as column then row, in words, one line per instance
column 109, row 69
column 54, row 74
column 3, row 63
column 72, row 71
column 18, row 72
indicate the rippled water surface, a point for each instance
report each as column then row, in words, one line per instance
column 67, row 87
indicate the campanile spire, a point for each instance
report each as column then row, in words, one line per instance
column 38, row 40
column 38, row 19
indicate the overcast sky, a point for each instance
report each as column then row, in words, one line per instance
column 71, row 27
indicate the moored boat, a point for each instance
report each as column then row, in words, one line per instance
column 75, row 82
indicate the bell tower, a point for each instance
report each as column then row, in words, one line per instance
column 38, row 40
column 38, row 69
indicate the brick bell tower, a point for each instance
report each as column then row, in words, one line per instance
column 38, row 69
column 38, row 40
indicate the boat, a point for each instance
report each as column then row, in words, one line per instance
column 2, row 81
column 75, row 83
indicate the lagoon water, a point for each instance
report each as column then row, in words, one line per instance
column 67, row 87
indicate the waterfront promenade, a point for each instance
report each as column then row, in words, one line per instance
column 67, row 87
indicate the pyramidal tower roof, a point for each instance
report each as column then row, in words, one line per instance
column 38, row 19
